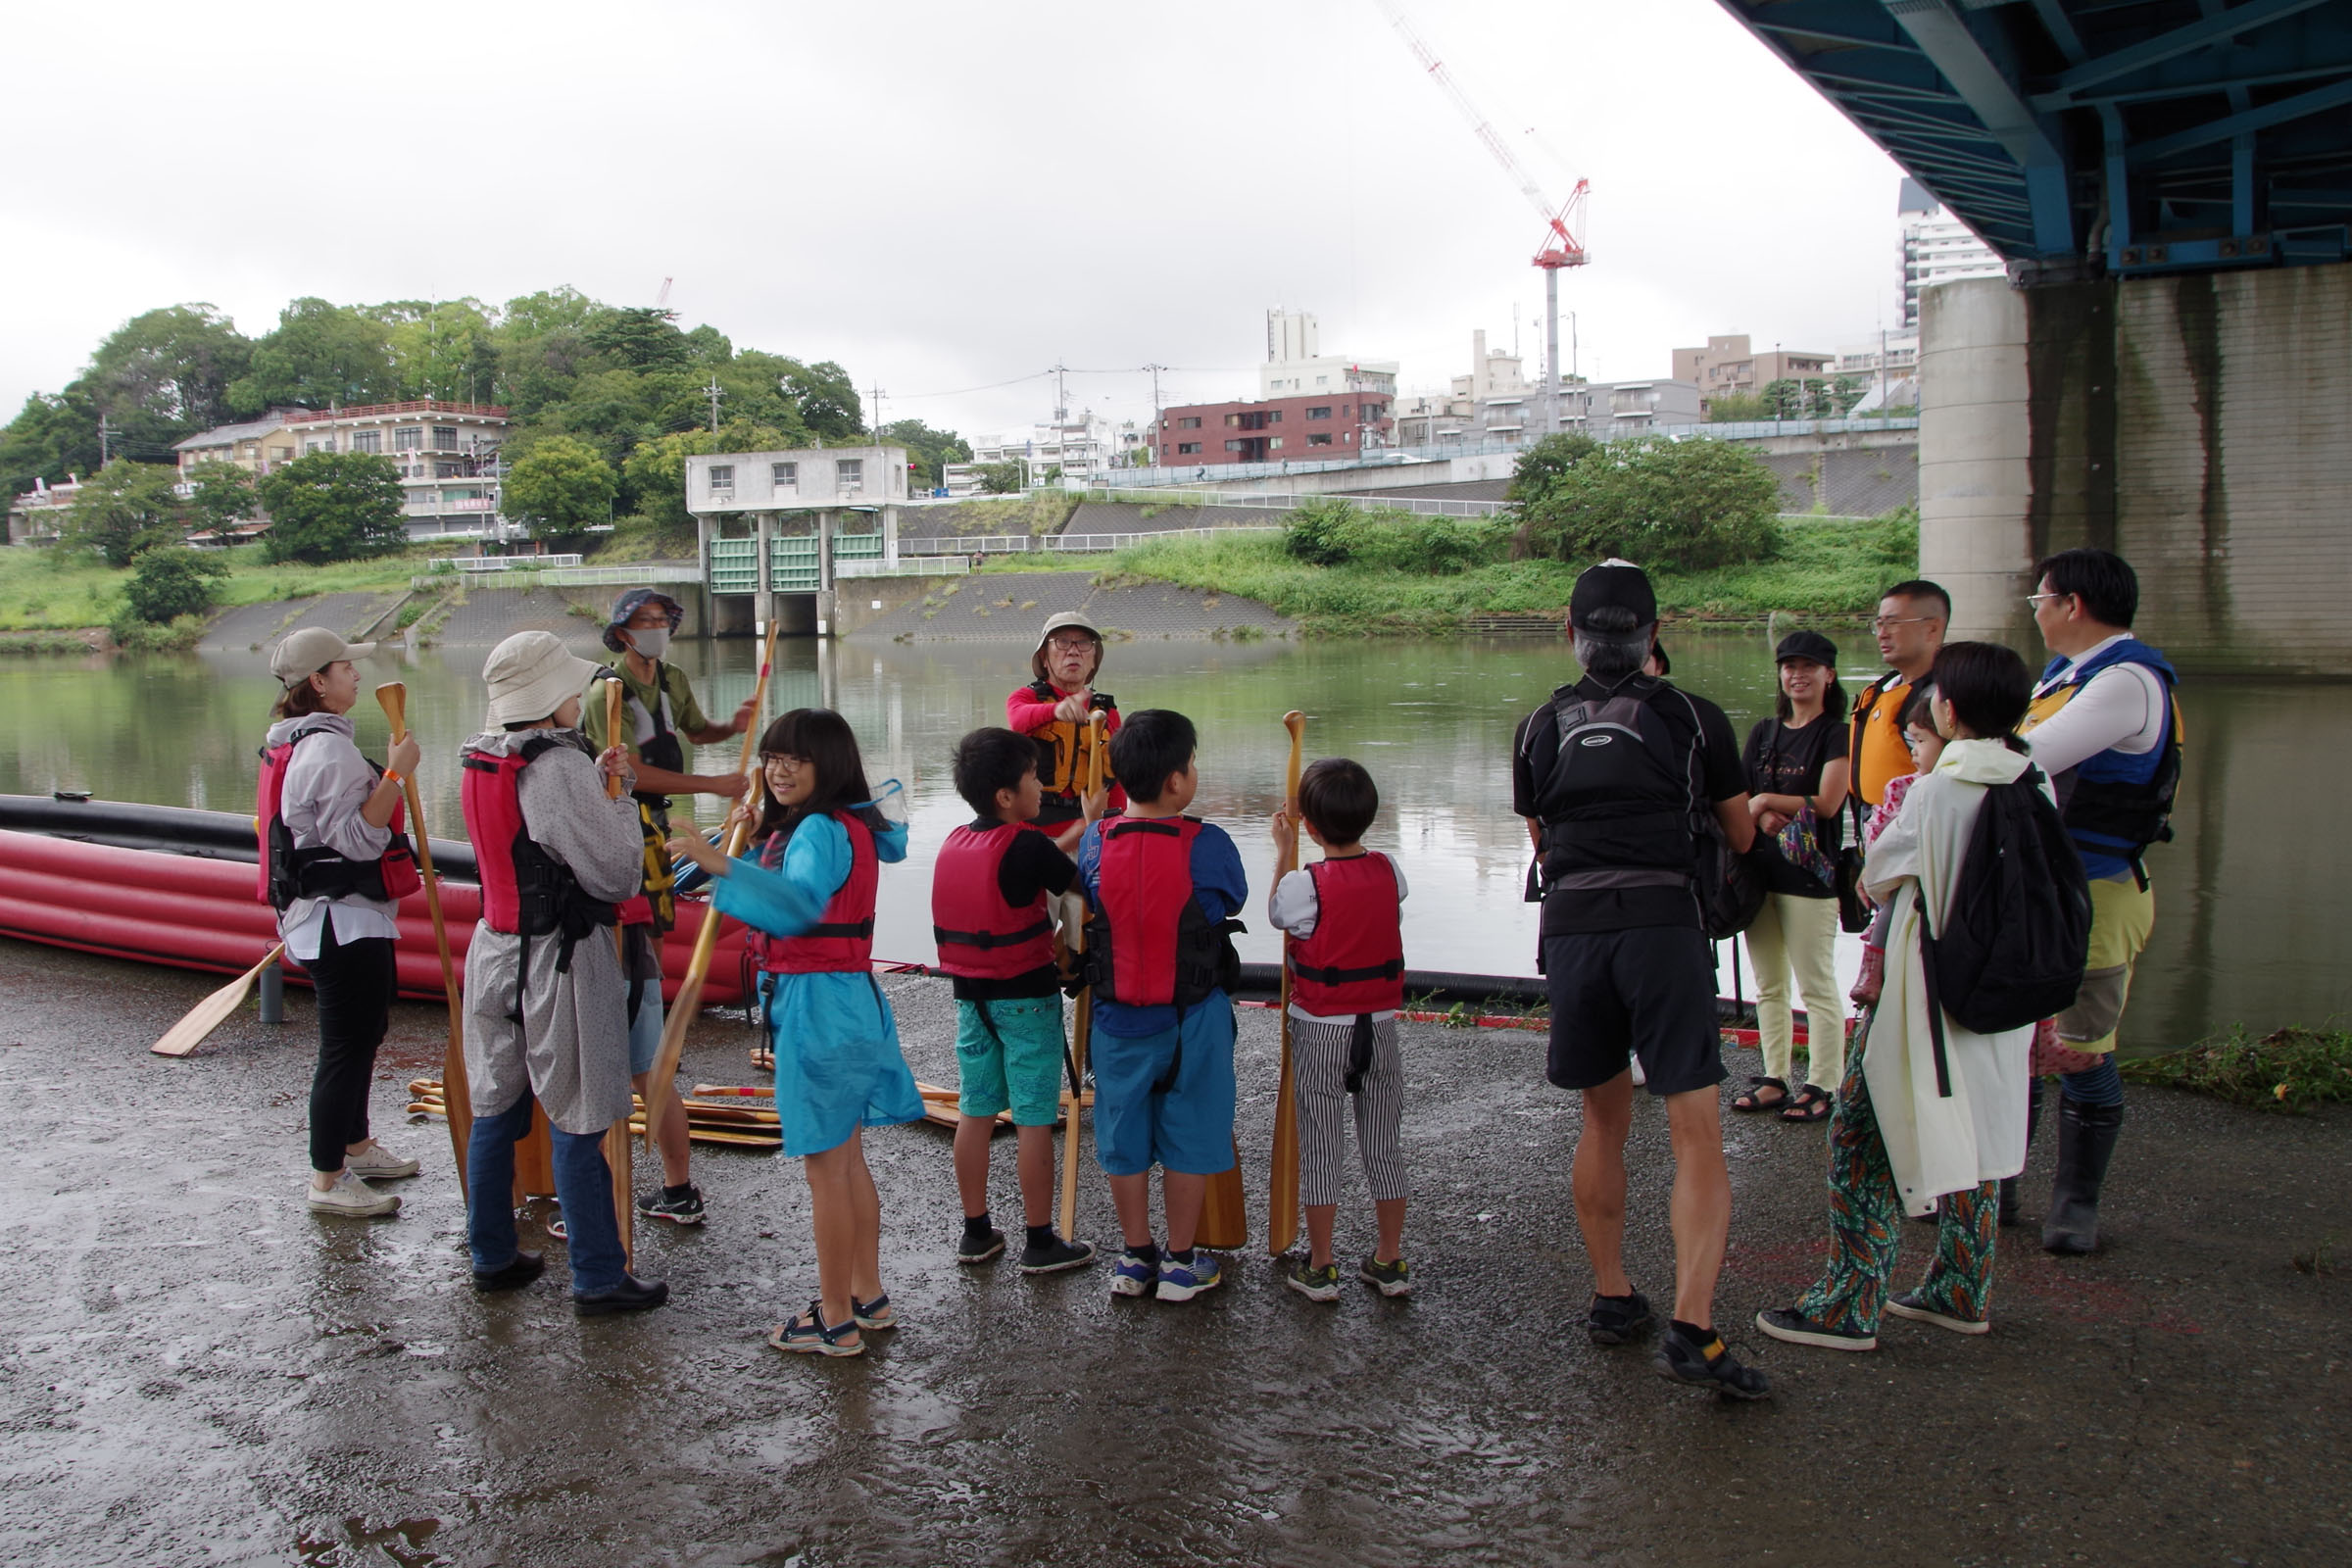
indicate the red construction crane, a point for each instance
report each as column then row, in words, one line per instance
column 1562, row 244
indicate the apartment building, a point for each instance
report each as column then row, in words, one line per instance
column 447, row 455
column 255, row 446
column 1297, row 365
column 1081, row 445
column 1938, row 248
column 1313, row 430
column 1729, row 366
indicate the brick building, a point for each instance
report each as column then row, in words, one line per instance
column 1317, row 428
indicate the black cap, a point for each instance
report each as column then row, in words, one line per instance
column 1810, row 645
column 1618, row 583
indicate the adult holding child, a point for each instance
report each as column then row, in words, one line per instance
column 334, row 865
column 1052, row 710
column 1927, row 1108
column 1796, row 780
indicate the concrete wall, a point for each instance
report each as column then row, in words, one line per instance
column 2195, row 424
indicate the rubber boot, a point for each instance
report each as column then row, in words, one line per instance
column 2009, row 1183
column 2085, row 1143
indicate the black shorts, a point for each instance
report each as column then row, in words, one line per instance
column 1647, row 991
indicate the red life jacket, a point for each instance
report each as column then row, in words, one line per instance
column 525, row 890
column 1355, row 962
column 318, row 872
column 980, row 936
column 1149, row 943
column 843, row 938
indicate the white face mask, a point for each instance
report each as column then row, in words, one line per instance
column 649, row 641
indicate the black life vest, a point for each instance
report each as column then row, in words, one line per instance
column 1149, row 943
column 980, row 936
column 527, row 892
column 1355, row 962
column 843, row 938
column 288, row 873
column 1616, row 799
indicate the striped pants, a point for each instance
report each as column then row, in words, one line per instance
column 1319, row 1083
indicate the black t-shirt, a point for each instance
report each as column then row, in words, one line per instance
column 1032, row 864
column 1535, row 748
column 1781, row 761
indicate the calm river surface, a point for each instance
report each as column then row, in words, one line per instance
column 2243, row 921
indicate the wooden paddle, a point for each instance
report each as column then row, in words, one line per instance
column 213, row 1011
column 663, row 1087
column 617, row 1137
column 1082, row 1023
column 394, row 697
column 1282, row 1192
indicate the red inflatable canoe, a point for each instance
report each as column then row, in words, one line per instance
column 168, row 885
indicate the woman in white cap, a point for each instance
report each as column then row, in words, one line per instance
column 335, row 864
column 1052, row 710
column 544, row 996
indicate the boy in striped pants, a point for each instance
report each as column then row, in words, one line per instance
column 1346, row 960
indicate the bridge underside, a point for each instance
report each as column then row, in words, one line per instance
column 2082, row 137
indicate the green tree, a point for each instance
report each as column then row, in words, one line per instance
column 224, row 494
column 657, row 469
column 1542, row 466
column 440, row 348
column 828, row 402
column 173, row 581
column 1684, row 504
column 1735, row 408
column 559, row 487
column 54, row 434
column 165, row 373
column 638, row 339
column 320, row 356
column 125, row 508
column 931, row 450
column 1000, row 478
column 334, row 506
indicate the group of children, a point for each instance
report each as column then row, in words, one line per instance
column 1162, row 890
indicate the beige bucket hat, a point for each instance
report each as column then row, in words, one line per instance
column 529, row 675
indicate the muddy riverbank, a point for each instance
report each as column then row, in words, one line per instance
column 199, row 1371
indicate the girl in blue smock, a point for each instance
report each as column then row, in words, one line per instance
column 806, row 887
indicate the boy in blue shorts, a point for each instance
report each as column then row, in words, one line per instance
column 989, row 914
column 1164, row 888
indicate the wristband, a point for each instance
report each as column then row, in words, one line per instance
column 390, row 777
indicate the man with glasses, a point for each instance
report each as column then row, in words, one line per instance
column 2106, row 727
column 1910, row 625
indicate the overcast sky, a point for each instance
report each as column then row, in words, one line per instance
column 943, row 196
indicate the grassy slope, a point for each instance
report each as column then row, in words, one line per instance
column 1827, row 569
column 49, row 589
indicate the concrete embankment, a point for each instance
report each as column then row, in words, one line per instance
column 197, row 1369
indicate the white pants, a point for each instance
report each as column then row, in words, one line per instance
column 1799, row 935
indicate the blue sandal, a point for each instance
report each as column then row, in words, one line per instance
column 806, row 1334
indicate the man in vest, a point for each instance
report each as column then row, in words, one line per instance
column 1911, row 620
column 659, row 717
column 1615, row 776
column 2105, row 727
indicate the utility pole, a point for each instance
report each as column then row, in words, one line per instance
column 103, row 434
column 715, row 394
column 1155, row 370
column 875, row 393
column 1062, row 401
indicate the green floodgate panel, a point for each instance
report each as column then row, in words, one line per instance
column 734, row 566
column 791, row 564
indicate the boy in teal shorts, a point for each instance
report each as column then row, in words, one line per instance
column 1164, row 888
column 989, row 915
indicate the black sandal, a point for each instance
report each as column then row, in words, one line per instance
column 1749, row 1102
column 1810, row 1104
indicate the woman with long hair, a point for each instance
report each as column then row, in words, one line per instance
column 806, row 887
column 1901, row 1139
column 1796, row 778
column 330, row 824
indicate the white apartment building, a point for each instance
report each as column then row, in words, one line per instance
column 447, row 455
column 1938, row 248
column 1081, row 445
column 1297, row 367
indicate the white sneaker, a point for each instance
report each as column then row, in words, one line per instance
column 354, row 1197
column 375, row 1162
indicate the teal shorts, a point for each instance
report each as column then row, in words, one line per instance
column 1017, row 1068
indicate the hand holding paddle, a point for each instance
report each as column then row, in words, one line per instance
column 394, row 697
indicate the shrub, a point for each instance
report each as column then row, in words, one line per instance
column 172, row 581
column 1322, row 532
column 1689, row 505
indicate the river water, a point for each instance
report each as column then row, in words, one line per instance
column 2243, row 909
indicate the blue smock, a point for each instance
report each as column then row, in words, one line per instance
column 838, row 1062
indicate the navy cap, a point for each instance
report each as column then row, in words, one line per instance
column 1810, row 645
column 1618, row 583
column 628, row 603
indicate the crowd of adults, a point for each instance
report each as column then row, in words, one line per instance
column 1637, row 796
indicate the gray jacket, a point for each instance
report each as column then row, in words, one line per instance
column 327, row 782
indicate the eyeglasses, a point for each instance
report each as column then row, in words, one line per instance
column 2036, row 600
column 778, row 760
column 1071, row 645
column 1890, row 622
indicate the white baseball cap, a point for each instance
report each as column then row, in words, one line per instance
column 303, row 654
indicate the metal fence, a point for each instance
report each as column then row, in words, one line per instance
column 470, row 564
column 926, row 566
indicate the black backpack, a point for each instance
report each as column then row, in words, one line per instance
column 2012, row 950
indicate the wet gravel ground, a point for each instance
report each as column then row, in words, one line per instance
column 197, row 1370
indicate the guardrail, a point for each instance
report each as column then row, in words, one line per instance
column 925, row 567
column 648, row 574
column 480, row 563
column 1083, row 542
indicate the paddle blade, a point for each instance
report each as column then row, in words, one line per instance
column 393, row 695
column 213, row 1011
